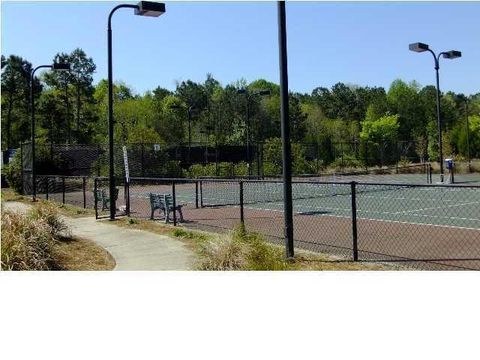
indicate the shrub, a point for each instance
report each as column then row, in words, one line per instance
column 13, row 173
column 348, row 161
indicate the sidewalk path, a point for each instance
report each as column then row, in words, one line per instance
column 131, row 249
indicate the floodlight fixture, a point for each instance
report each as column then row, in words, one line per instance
column 418, row 47
column 452, row 54
column 61, row 66
column 150, row 8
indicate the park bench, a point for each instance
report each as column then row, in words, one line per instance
column 164, row 203
column 101, row 196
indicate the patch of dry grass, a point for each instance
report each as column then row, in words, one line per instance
column 10, row 195
column 27, row 243
column 82, row 255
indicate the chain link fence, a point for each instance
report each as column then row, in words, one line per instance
column 419, row 226
column 197, row 159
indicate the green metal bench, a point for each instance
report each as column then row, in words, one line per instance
column 164, row 203
column 101, row 196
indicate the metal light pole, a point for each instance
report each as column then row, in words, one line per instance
column 55, row 66
column 452, row 54
column 468, row 136
column 189, row 111
column 143, row 8
column 287, row 160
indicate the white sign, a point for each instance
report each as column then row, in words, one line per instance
column 156, row 147
column 125, row 162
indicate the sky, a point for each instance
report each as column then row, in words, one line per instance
column 359, row 43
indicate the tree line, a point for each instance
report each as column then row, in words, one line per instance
column 71, row 109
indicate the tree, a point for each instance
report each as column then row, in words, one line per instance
column 403, row 99
column 16, row 99
column 82, row 68
column 168, row 122
column 297, row 119
column 75, row 89
column 381, row 130
column 381, row 133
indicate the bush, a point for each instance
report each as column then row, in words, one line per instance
column 225, row 169
column 28, row 240
column 348, row 161
column 13, row 173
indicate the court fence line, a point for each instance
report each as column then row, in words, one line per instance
column 359, row 221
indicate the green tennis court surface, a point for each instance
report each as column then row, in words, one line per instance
column 440, row 206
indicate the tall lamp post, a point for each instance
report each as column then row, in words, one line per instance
column 143, row 8
column 247, row 117
column 452, row 54
column 56, row 67
column 285, row 124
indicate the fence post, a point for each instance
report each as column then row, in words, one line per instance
column 430, row 171
column 95, row 197
column 242, row 218
column 354, row 221
column 127, row 196
column 143, row 160
column 84, row 189
column 46, row 188
column 196, row 194
column 174, row 198
column 63, row 190
column 21, row 161
column 201, row 193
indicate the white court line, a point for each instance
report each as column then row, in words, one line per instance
column 409, row 223
column 381, row 212
column 436, row 207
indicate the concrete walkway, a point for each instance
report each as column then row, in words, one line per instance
column 131, row 249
